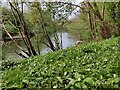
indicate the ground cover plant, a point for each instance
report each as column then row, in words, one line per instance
column 90, row 65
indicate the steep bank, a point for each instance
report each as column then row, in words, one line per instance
column 91, row 65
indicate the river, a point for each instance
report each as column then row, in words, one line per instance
column 10, row 48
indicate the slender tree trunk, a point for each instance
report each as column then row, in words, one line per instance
column 19, row 21
column 56, row 37
column 105, row 32
column 103, row 10
column 17, row 25
column 14, row 40
column 61, row 41
column 38, row 45
column 91, row 24
column 22, row 7
column 44, row 30
column 95, row 26
column 25, row 30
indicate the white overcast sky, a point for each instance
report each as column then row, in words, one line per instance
column 74, row 1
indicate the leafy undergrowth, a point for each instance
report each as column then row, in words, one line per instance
column 91, row 65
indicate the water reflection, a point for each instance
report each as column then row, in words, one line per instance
column 67, row 41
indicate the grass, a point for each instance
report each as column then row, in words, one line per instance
column 90, row 65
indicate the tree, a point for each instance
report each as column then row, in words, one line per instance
column 114, row 13
column 48, row 21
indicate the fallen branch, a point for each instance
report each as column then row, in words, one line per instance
column 13, row 39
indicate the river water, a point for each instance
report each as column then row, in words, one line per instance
column 10, row 48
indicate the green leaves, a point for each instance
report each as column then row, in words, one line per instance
column 78, row 85
column 71, row 68
column 72, row 82
column 59, row 79
column 77, row 76
column 25, row 81
column 89, row 81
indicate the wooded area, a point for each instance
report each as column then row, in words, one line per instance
column 48, row 18
column 30, row 25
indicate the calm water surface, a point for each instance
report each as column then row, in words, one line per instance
column 9, row 50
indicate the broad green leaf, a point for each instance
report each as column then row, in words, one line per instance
column 78, row 85
column 40, row 78
column 117, row 80
column 84, row 86
column 25, row 81
column 89, row 80
column 77, row 76
column 72, row 82
column 59, row 78
column 55, row 86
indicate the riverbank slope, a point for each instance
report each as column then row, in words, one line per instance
column 90, row 65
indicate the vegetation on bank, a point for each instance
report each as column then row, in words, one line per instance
column 96, row 20
column 90, row 65
column 92, row 21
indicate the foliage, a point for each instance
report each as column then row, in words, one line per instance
column 7, row 18
column 79, row 26
column 114, row 14
column 109, row 13
column 91, row 65
column 48, row 18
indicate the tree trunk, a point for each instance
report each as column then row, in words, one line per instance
column 103, row 10
column 30, row 47
column 44, row 30
column 105, row 32
column 14, row 40
column 91, row 24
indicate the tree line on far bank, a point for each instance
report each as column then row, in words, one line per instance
column 41, row 20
